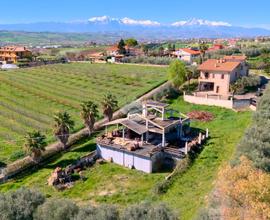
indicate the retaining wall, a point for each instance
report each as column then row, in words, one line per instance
column 230, row 104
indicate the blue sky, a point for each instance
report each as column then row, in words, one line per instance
column 237, row 12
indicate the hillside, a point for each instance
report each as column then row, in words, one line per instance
column 45, row 38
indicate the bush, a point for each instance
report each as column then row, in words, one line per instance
column 246, row 83
column 147, row 212
column 57, row 209
column 255, row 144
column 20, row 204
column 103, row 212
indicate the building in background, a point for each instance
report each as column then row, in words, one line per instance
column 186, row 54
column 11, row 54
column 216, row 75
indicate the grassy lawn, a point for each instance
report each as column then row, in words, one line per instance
column 189, row 191
column 260, row 73
column 29, row 97
column 94, row 49
column 110, row 183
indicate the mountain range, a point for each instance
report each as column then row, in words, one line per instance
column 142, row 29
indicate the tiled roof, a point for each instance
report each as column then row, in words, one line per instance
column 13, row 49
column 190, row 51
column 219, row 65
column 235, row 57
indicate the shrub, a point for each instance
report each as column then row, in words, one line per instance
column 161, row 212
column 57, row 209
column 250, row 195
column 255, row 144
column 103, row 212
column 20, row 204
column 146, row 211
column 246, row 83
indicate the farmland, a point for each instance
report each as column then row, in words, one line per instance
column 113, row 184
column 30, row 97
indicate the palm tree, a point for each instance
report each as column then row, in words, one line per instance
column 62, row 127
column 109, row 104
column 35, row 143
column 89, row 113
column 203, row 48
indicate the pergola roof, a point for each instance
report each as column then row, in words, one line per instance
column 156, row 104
column 132, row 125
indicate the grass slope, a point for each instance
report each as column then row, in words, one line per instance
column 189, row 191
column 29, row 97
column 110, row 183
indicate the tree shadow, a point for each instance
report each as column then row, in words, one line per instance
column 2, row 164
column 85, row 148
column 62, row 163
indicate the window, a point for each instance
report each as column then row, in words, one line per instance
column 222, row 76
column 206, row 75
column 213, row 75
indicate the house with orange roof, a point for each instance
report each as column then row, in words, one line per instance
column 130, row 51
column 216, row 75
column 11, row 54
column 216, row 47
column 186, row 54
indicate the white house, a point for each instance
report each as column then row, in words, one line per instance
column 186, row 54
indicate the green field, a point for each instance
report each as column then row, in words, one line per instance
column 110, row 183
column 30, row 97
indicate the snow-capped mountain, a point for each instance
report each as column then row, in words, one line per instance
column 200, row 22
column 142, row 29
column 124, row 21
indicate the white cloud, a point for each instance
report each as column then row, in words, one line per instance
column 130, row 21
column 195, row 21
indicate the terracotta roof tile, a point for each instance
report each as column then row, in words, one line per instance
column 219, row 65
column 190, row 51
column 235, row 57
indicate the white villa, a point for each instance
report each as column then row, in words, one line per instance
column 186, row 54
